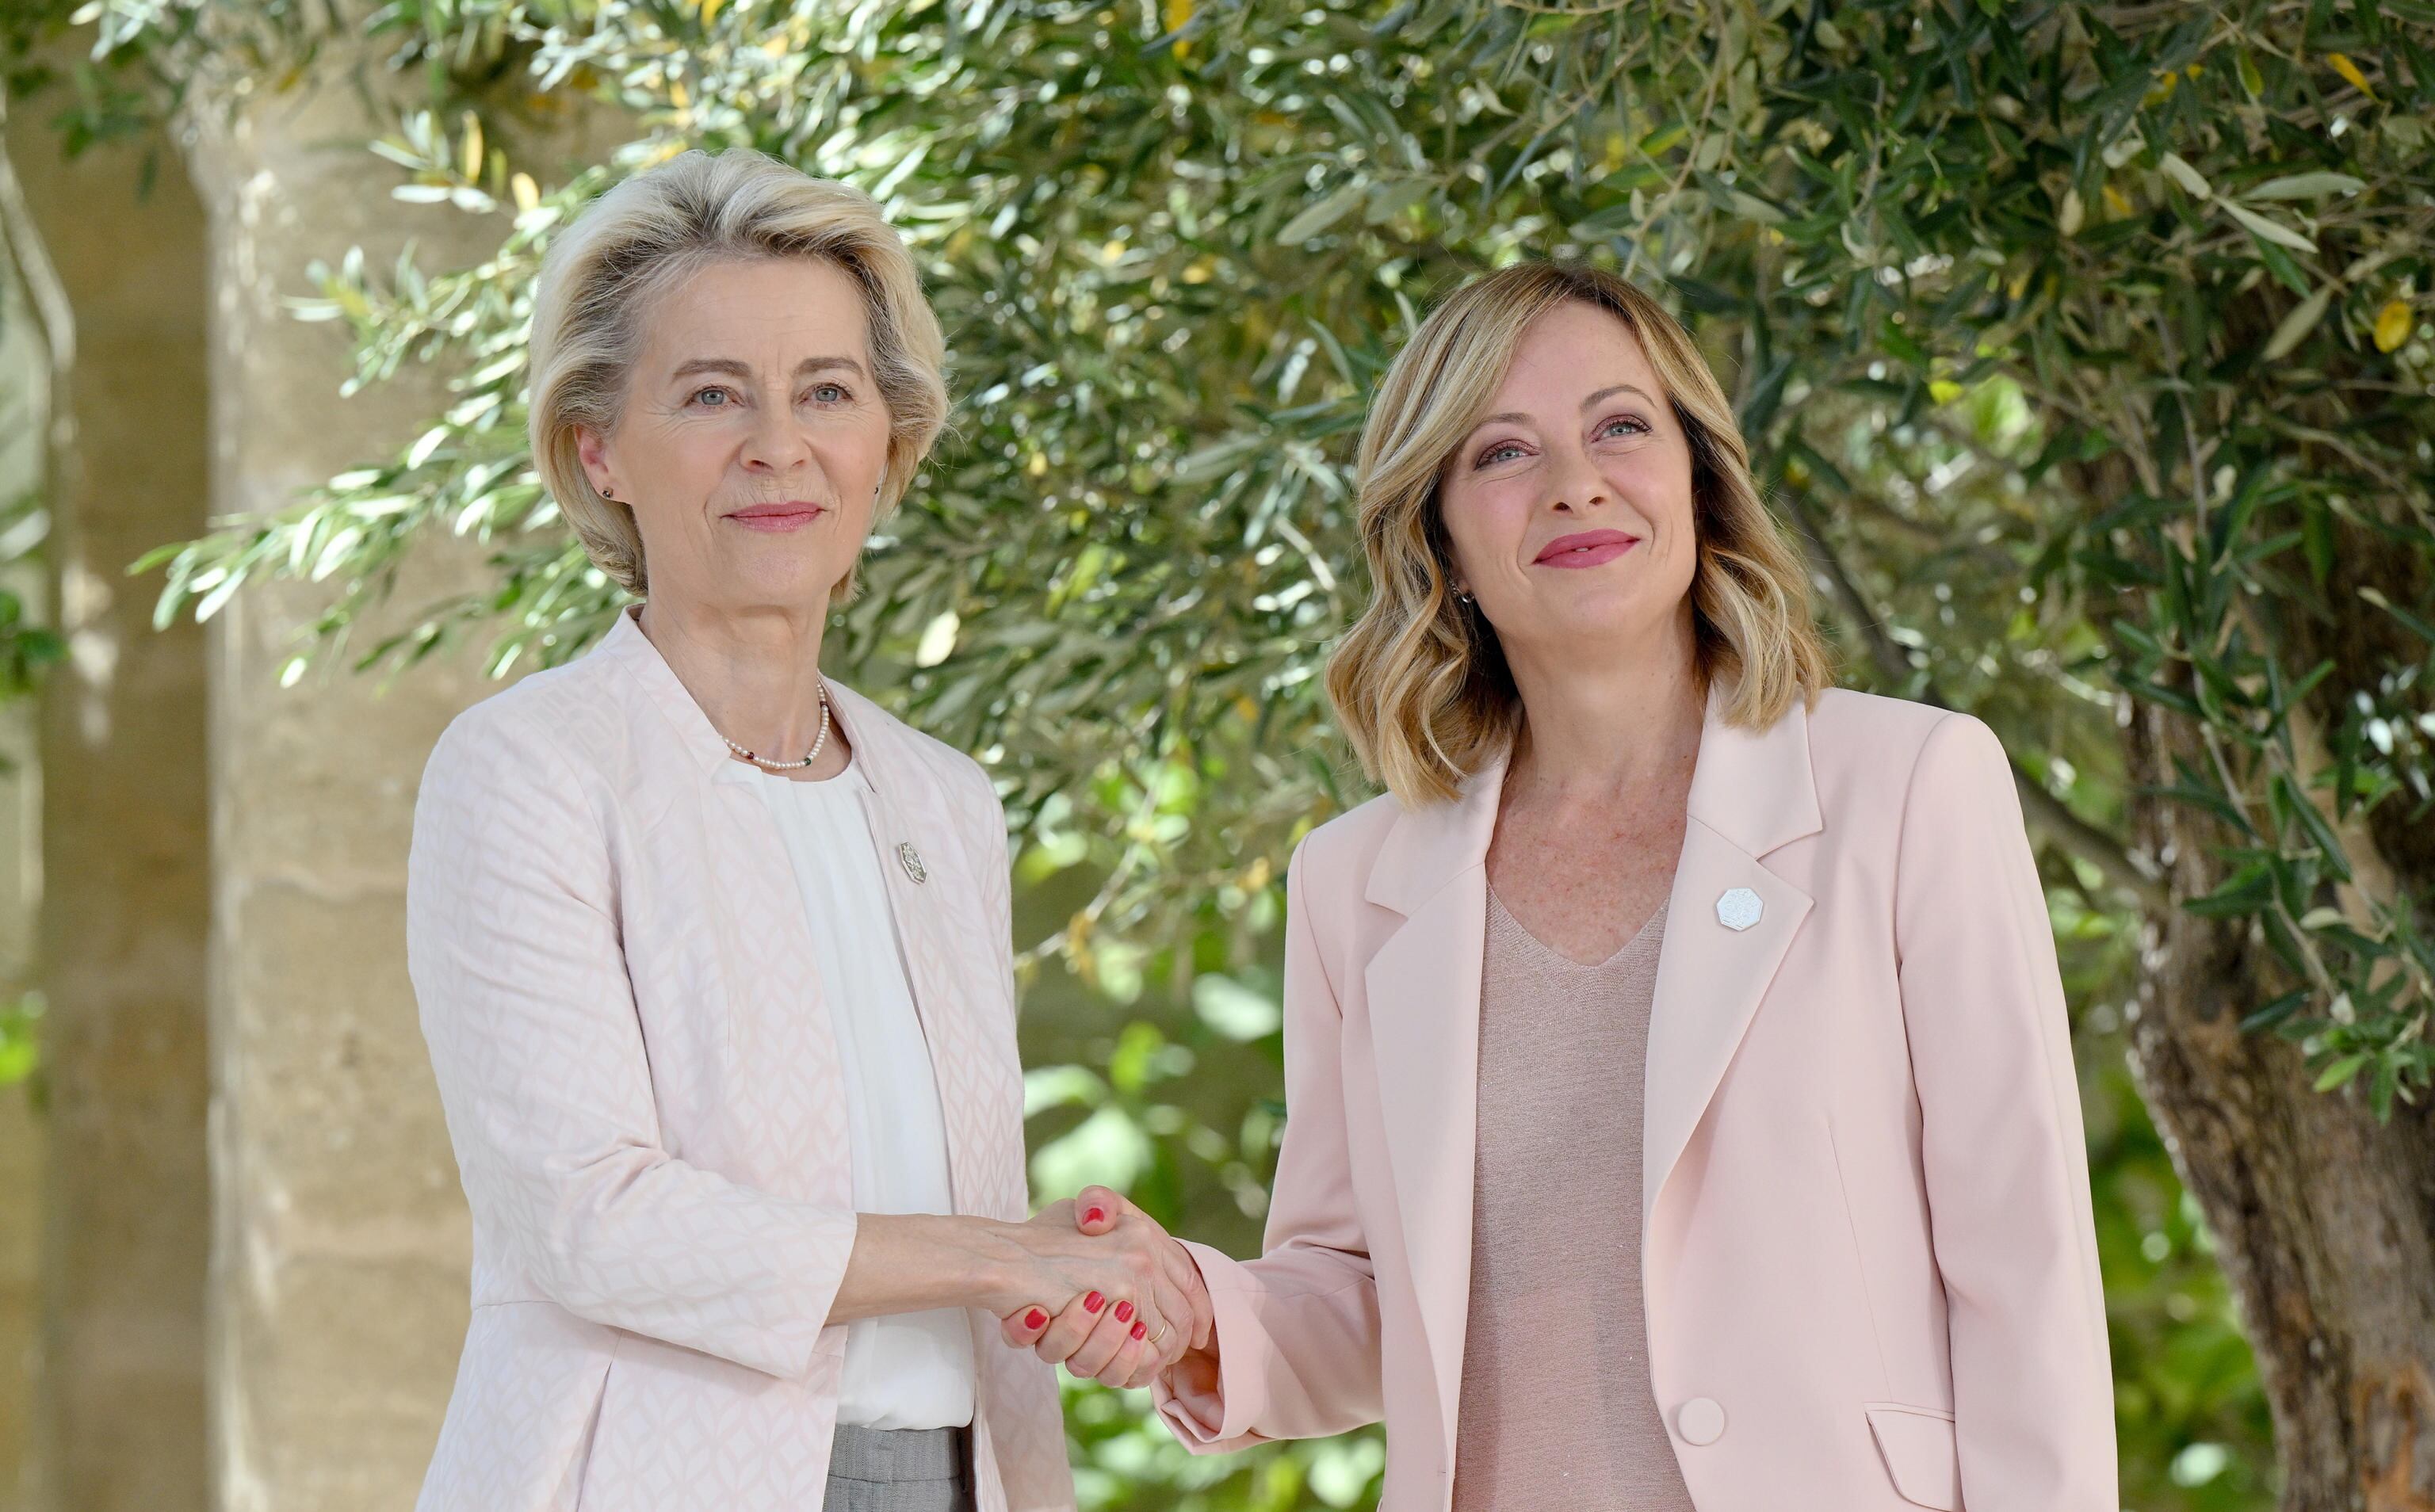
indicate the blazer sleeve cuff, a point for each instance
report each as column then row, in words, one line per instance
column 1224, row 1425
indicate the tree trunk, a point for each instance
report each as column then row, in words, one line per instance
column 2325, row 1219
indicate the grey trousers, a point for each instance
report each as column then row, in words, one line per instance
column 902, row 1469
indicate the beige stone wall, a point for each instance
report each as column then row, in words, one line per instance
column 340, row 1239
column 119, row 1413
column 340, row 1236
column 24, row 373
column 251, row 1242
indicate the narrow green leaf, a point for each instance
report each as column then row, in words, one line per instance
column 2340, row 1071
column 1322, row 213
column 2274, row 1012
column 2266, row 228
column 2178, row 169
column 2297, row 325
column 2305, row 186
column 2419, row 627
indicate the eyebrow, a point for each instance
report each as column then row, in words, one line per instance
column 1518, row 417
column 733, row 369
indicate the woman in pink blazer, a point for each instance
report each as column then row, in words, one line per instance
column 714, row 956
column 1681, row 1106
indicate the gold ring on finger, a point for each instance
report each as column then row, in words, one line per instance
column 1155, row 1337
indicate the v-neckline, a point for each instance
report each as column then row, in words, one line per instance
column 1620, row 952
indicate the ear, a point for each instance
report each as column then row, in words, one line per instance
column 592, row 450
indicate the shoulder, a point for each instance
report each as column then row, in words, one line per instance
column 547, row 718
column 1336, row 858
column 1845, row 723
column 554, row 751
column 1897, row 753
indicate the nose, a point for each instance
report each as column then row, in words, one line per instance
column 1574, row 482
column 776, row 444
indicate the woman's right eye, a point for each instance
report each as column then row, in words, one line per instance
column 1501, row 452
column 698, row 394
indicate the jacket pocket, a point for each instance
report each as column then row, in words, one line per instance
column 1918, row 1448
column 591, row 1443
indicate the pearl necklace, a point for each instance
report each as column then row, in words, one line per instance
column 810, row 756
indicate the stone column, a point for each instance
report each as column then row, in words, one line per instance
column 340, row 1245
column 341, row 1239
column 25, row 407
column 24, row 390
column 120, row 1417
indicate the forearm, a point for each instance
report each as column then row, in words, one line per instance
column 1294, row 1354
column 913, row 1262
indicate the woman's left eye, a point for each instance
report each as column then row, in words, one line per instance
column 829, row 394
column 1624, row 424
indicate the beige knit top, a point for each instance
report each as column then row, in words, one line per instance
column 1557, row 1409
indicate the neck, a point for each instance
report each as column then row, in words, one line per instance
column 755, row 674
column 1606, row 723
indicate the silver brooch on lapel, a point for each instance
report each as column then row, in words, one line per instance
column 913, row 860
column 1737, row 908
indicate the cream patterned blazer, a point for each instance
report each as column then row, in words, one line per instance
column 624, row 1019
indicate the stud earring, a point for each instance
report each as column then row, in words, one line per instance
column 607, row 494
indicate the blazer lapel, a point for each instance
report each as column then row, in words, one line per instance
column 980, row 1087
column 1423, row 988
column 1751, row 793
column 979, row 1082
column 772, row 961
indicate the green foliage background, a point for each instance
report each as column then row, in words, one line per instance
column 2080, row 344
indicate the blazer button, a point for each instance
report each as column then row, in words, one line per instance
column 1699, row 1421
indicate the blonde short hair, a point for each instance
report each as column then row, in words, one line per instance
column 1418, row 683
column 604, row 274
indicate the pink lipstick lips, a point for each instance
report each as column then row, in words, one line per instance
column 1589, row 548
column 790, row 514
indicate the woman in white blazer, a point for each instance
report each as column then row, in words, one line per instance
column 714, row 956
column 1681, row 1107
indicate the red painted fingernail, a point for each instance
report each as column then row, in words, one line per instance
column 1034, row 1318
column 1124, row 1311
column 1093, row 1302
column 1140, row 1329
column 1095, row 1215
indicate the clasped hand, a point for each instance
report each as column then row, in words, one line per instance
column 1132, row 1302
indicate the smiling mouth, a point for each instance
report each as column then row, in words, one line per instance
column 1588, row 549
column 790, row 515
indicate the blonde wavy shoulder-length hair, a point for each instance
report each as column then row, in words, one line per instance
column 605, row 273
column 1418, row 683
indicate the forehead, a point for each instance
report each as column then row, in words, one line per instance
column 1568, row 353
column 775, row 308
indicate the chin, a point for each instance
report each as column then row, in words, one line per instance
column 1603, row 612
column 788, row 580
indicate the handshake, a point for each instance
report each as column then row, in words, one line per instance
column 1122, row 1302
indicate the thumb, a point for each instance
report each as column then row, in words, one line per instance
column 1097, row 1209
column 1022, row 1328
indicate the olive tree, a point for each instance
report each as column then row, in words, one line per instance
column 2080, row 343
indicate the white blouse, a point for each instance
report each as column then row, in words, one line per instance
column 907, row 1369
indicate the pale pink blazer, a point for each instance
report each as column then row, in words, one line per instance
column 624, row 1013
column 1870, row 1264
